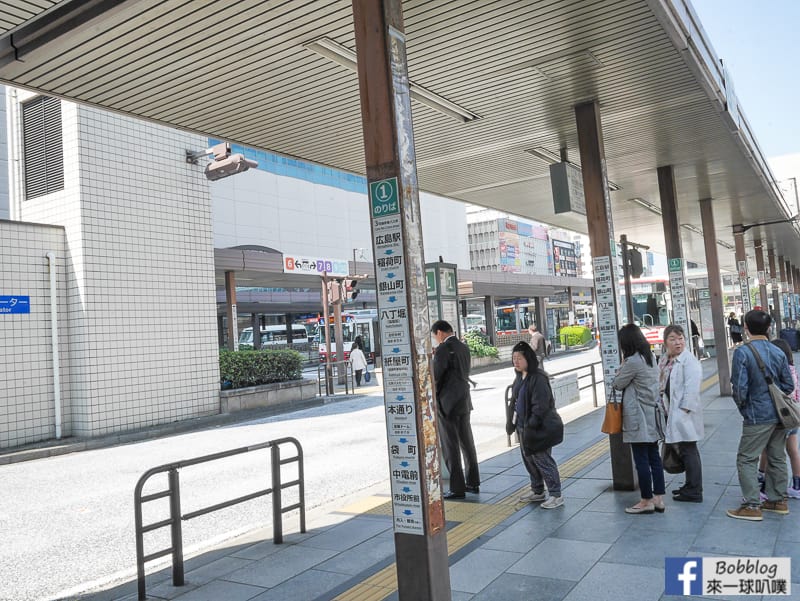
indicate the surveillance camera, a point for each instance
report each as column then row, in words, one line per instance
column 236, row 163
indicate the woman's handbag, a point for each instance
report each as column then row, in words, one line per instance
column 367, row 375
column 612, row 422
column 671, row 459
column 548, row 434
column 788, row 411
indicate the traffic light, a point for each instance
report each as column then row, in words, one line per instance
column 351, row 290
column 635, row 263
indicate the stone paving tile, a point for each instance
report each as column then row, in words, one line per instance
column 259, row 550
column 517, row 587
column 502, row 482
column 601, row 471
column 273, row 570
column 648, row 545
column 594, row 527
column 548, row 559
column 787, row 549
column 348, row 534
column 362, row 556
column 219, row 589
column 587, row 488
column 475, row 571
column 790, row 528
column 724, row 535
column 619, row 582
column 215, row 569
column 303, row 587
column 522, row 536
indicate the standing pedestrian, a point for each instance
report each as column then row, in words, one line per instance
column 533, row 405
column 642, row 419
column 679, row 384
column 357, row 359
column 538, row 343
column 735, row 329
column 451, row 364
column 761, row 428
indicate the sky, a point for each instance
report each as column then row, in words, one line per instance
column 759, row 42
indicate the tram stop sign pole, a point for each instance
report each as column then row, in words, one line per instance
column 417, row 504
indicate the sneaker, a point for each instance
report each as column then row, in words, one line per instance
column 553, row 502
column 776, row 506
column 762, row 496
column 746, row 512
column 533, row 497
column 793, row 493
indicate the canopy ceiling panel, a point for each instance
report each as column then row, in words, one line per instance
column 245, row 71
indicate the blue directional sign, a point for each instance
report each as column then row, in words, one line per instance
column 15, row 304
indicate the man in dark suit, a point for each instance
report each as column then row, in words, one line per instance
column 451, row 363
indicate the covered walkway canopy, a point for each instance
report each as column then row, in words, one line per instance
column 493, row 88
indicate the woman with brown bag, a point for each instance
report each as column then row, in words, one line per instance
column 642, row 419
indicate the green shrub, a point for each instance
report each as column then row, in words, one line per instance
column 251, row 368
column 574, row 335
column 479, row 345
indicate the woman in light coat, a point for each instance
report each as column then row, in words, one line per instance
column 358, row 360
column 642, row 419
column 680, row 375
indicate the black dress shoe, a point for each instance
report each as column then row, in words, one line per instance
column 677, row 491
column 687, row 498
column 454, row 495
column 474, row 489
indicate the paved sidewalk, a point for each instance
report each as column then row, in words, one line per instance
column 500, row 549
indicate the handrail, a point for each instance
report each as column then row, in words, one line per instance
column 176, row 517
column 331, row 374
column 591, row 375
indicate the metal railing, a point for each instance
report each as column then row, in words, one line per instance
column 176, row 517
column 591, row 374
column 329, row 374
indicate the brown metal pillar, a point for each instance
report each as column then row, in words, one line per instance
column 604, row 262
column 784, row 291
column 762, row 275
column 233, row 317
column 417, row 505
column 715, row 290
column 221, row 330
column 773, row 282
column 489, row 313
column 741, row 268
column 675, row 262
column 254, row 323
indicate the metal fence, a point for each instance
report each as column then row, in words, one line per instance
column 175, row 519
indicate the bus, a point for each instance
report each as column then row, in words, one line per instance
column 275, row 337
column 652, row 307
column 362, row 323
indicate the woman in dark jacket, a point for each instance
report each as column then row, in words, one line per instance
column 642, row 419
column 735, row 329
column 534, row 410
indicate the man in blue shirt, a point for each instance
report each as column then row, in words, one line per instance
column 761, row 428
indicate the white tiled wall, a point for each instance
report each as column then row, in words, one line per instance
column 141, row 294
column 4, row 207
column 27, row 385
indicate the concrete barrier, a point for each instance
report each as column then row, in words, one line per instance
column 565, row 389
column 266, row 395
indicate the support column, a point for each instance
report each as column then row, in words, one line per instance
column 254, row 323
column 604, row 262
column 741, row 268
column 773, row 282
column 784, row 291
column 762, row 275
column 715, row 290
column 491, row 322
column 418, row 508
column 675, row 262
column 221, row 330
column 795, row 291
column 233, row 317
